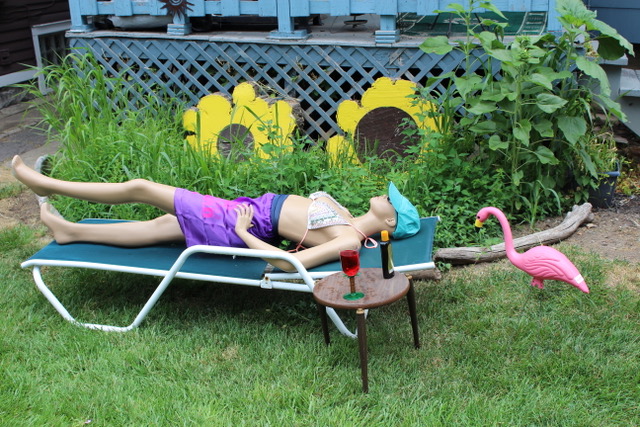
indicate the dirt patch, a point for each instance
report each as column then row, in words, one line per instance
column 20, row 208
column 611, row 233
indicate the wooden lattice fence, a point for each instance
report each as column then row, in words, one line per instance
column 319, row 76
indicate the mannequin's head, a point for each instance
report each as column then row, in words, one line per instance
column 406, row 215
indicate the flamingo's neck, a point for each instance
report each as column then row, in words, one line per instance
column 506, row 231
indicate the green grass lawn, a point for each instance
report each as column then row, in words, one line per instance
column 495, row 351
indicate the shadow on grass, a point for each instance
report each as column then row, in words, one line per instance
column 116, row 298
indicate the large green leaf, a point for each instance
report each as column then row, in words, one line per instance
column 545, row 128
column 549, row 103
column 511, row 96
column 481, row 107
column 516, row 177
column 574, row 12
column 439, row 45
column 502, row 55
column 468, row 84
column 572, row 127
column 591, row 68
column 541, row 80
column 495, row 143
column 489, row 40
column 610, row 48
column 492, row 92
column 546, row 156
column 484, row 127
column 588, row 163
column 489, row 95
column 490, row 6
column 548, row 182
column 611, row 43
column 558, row 75
column 522, row 131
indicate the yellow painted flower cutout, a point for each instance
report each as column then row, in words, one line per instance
column 385, row 121
column 222, row 126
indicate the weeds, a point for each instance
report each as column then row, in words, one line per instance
column 110, row 142
column 10, row 190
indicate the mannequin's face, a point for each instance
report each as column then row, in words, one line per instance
column 382, row 208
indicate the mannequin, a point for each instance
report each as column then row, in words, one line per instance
column 248, row 223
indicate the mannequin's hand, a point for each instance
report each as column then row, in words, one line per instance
column 245, row 215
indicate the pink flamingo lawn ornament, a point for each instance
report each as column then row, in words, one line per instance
column 541, row 262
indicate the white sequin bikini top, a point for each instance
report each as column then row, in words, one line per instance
column 321, row 215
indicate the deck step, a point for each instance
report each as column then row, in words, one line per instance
column 629, row 82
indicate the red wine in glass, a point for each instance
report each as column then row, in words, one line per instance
column 350, row 260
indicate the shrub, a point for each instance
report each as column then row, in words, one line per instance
column 532, row 122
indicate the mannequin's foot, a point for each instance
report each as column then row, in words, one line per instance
column 55, row 223
column 32, row 179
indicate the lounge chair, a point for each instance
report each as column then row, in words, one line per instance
column 213, row 264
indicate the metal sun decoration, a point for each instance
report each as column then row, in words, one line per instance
column 176, row 7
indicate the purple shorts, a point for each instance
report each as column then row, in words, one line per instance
column 208, row 220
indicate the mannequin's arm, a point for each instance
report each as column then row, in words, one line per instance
column 311, row 257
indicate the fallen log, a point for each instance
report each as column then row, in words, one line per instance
column 471, row 255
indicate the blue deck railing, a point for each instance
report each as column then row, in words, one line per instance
column 83, row 11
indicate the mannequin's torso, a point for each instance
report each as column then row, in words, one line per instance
column 293, row 226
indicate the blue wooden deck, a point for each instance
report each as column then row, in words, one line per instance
column 83, row 11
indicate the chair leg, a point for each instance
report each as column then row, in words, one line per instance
column 362, row 341
column 322, row 310
column 411, row 300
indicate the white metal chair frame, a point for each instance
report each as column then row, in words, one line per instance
column 270, row 280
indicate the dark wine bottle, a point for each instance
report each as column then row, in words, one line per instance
column 387, row 255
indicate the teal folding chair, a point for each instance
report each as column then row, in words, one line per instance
column 214, row 264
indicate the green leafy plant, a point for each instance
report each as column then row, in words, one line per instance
column 534, row 119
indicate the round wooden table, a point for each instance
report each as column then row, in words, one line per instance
column 378, row 291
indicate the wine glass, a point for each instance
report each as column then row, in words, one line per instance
column 350, row 260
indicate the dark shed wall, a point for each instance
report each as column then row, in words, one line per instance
column 16, row 19
column 623, row 15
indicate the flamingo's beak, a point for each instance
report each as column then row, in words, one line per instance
column 580, row 284
column 479, row 224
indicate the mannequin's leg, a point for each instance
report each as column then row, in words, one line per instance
column 164, row 229
column 134, row 191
